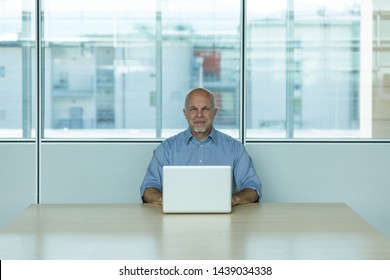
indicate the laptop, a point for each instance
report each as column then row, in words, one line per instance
column 197, row 189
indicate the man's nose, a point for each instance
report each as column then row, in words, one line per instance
column 199, row 113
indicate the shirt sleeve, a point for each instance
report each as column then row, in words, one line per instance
column 244, row 173
column 153, row 176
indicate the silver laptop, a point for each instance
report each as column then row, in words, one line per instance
column 197, row 189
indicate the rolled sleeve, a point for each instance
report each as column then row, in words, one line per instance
column 245, row 174
column 153, row 176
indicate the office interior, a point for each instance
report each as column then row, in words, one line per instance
column 88, row 89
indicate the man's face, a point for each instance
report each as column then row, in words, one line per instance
column 200, row 113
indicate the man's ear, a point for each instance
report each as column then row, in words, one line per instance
column 215, row 111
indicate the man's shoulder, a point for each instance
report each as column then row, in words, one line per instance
column 175, row 139
column 226, row 138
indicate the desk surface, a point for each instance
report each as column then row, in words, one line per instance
column 137, row 231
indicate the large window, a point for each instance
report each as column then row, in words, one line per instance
column 303, row 69
column 122, row 68
column 17, row 69
column 119, row 69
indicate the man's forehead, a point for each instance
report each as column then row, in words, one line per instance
column 199, row 103
column 199, row 98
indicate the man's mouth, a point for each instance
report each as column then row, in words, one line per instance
column 200, row 121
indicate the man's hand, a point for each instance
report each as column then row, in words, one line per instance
column 153, row 195
column 244, row 196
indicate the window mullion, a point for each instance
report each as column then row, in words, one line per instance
column 290, row 70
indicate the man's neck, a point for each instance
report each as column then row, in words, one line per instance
column 201, row 136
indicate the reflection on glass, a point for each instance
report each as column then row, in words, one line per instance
column 17, row 69
column 303, row 69
column 379, row 118
column 122, row 69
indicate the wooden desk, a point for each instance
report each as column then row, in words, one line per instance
column 136, row 231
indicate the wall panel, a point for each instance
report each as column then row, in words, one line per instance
column 93, row 172
column 354, row 173
column 17, row 179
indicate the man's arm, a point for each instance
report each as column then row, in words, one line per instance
column 153, row 195
column 245, row 196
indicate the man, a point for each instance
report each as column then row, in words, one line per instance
column 202, row 144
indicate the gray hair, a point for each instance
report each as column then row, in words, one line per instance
column 212, row 96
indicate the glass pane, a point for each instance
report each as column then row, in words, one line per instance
column 121, row 69
column 17, row 69
column 326, row 85
column 201, row 48
column 100, row 68
column 303, row 69
column 266, row 68
column 379, row 117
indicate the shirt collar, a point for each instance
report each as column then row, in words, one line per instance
column 212, row 135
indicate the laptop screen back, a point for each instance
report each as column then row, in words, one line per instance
column 197, row 189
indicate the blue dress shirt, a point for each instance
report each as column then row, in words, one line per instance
column 217, row 149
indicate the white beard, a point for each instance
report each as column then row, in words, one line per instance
column 201, row 130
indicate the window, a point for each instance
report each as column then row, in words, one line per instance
column 378, row 124
column 17, row 69
column 123, row 70
column 304, row 69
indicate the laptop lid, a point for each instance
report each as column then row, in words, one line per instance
column 197, row 189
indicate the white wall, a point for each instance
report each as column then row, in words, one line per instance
column 354, row 173
column 17, row 179
column 93, row 172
